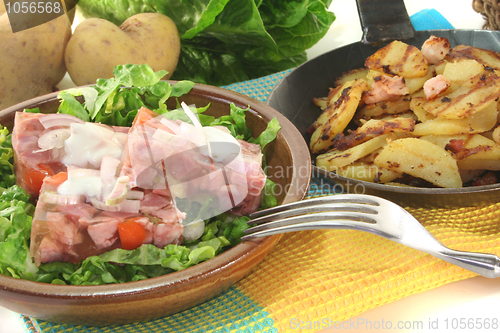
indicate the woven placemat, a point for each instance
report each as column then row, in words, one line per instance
column 325, row 276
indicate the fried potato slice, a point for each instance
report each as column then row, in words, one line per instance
column 422, row 159
column 479, row 164
column 368, row 172
column 479, row 122
column 473, row 96
column 321, row 102
column 351, row 75
column 373, row 128
column 486, row 58
column 462, row 70
column 465, row 148
column 495, row 135
column 414, row 84
column 398, row 58
column 335, row 159
column 337, row 116
column 416, row 106
column 400, row 105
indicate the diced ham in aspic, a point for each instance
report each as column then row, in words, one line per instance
column 97, row 179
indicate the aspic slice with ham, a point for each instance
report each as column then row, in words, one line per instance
column 102, row 176
column 73, row 232
column 40, row 152
column 200, row 165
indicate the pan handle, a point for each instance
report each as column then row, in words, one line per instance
column 384, row 20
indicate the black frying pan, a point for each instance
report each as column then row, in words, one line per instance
column 382, row 21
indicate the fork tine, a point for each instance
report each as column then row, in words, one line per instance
column 324, row 220
column 313, row 207
column 328, row 199
column 345, row 211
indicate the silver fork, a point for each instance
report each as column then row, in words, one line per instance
column 366, row 213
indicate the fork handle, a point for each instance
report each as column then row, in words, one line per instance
column 485, row 264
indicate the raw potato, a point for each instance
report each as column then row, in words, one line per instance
column 31, row 61
column 97, row 46
column 422, row 159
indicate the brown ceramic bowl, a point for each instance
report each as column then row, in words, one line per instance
column 289, row 166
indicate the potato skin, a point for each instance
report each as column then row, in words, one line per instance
column 32, row 61
column 97, row 46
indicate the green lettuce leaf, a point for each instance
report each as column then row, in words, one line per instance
column 15, row 229
column 115, row 101
column 7, row 177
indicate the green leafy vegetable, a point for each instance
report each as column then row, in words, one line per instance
column 15, row 229
column 7, row 177
column 226, row 41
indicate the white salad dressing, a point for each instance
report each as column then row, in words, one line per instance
column 88, row 143
column 89, row 186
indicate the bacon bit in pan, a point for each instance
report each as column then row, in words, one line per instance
column 486, row 179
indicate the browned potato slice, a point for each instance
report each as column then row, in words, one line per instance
column 372, row 76
column 351, row 75
column 484, row 57
column 321, row 102
column 479, row 164
column 473, row 96
column 422, row 159
column 371, row 129
column 463, row 147
column 462, row 70
column 338, row 115
column 414, row 84
column 335, row 159
column 368, row 172
column 399, row 105
column 479, row 122
column 416, row 106
column 370, row 157
column 398, row 58
column 496, row 134
column 439, row 68
column 407, row 114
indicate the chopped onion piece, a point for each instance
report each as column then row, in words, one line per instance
column 53, row 139
column 126, row 206
column 191, row 115
column 62, row 199
column 135, row 195
column 119, row 191
column 58, row 119
column 193, row 230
